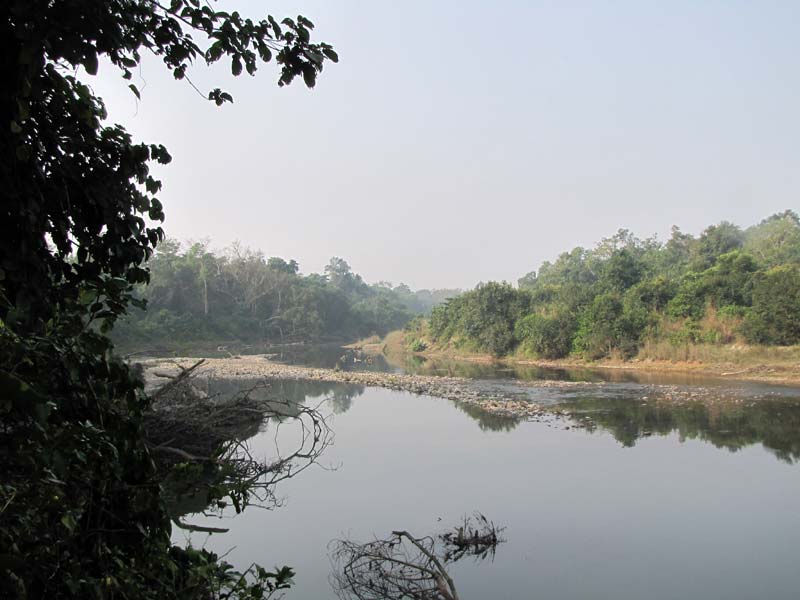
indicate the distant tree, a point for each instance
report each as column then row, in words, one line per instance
column 341, row 276
column 776, row 240
column 775, row 315
column 677, row 253
column 620, row 270
column 715, row 241
column 547, row 336
column 278, row 264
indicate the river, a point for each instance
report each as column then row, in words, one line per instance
column 629, row 498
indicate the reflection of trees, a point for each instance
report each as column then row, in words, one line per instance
column 340, row 395
column 725, row 424
column 486, row 420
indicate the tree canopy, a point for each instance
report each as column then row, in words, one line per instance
column 82, row 508
column 725, row 285
column 196, row 294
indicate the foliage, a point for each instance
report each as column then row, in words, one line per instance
column 547, row 336
column 484, row 317
column 417, row 345
column 82, row 511
column 776, row 306
column 195, row 294
column 776, row 240
column 609, row 300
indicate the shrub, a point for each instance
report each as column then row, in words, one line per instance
column 775, row 315
column 546, row 336
column 417, row 345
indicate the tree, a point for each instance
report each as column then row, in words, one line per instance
column 775, row 316
column 83, row 513
column 548, row 336
column 776, row 240
column 715, row 241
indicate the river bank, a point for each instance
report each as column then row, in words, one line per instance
column 778, row 365
column 535, row 400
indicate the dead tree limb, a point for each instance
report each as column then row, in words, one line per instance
column 401, row 567
column 476, row 536
column 210, row 433
column 406, row 567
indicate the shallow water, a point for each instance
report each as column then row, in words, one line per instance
column 694, row 498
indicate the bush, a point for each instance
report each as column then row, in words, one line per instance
column 546, row 336
column 417, row 345
column 775, row 315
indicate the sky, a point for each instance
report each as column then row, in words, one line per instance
column 462, row 141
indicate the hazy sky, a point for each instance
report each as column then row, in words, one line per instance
column 461, row 141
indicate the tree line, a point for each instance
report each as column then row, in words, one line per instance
column 724, row 286
column 240, row 294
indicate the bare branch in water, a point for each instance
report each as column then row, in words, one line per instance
column 187, row 426
column 407, row 567
column 397, row 568
column 477, row 536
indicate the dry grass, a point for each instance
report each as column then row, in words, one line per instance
column 394, row 344
column 735, row 354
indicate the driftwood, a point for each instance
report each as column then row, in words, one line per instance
column 408, row 567
column 397, row 568
column 477, row 536
column 187, row 425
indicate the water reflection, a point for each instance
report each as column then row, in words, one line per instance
column 486, row 420
column 339, row 395
column 723, row 422
column 730, row 417
column 663, row 520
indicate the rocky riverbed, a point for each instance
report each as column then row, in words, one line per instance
column 458, row 389
column 513, row 401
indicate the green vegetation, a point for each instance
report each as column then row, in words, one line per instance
column 82, row 511
column 197, row 295
column 723, row 287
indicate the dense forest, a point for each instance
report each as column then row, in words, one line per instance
column 195, row 294
column 627, row 296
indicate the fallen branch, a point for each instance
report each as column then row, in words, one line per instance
column 183, row 375
column 476, row 536
column 401, row 567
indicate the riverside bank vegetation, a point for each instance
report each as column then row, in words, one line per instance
column 196, row 295
column 630, row 297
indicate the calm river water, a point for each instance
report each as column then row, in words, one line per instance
column 697, row 499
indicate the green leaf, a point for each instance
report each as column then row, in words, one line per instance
column 90, row 63
column 135, row 91
column 309, row 75
column 331, row 54
column 68, row 521
column 236, row 66
column 314, row 57
column 276, row 28
column 264, row 52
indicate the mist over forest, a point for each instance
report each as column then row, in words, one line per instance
column 196, row 294
column 726, row 285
